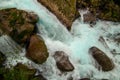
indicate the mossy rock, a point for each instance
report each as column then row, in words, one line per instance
column 19, row 72
column 17, row 23
column 103, row 9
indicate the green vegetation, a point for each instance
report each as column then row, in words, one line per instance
column 19, row 72
column 103, row 9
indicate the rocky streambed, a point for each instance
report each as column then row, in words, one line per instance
column 50, row 56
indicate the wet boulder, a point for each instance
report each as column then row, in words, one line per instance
column 89, row 18
column 37, row 50
column 103, row 60
column 1, row 32
column 62, row 61
column 17, row 23
column 65, row 10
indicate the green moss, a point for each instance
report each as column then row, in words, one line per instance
column 104, row 9
column 16, row 18
column 19, row 72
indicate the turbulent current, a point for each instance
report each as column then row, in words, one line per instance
column 75, row 43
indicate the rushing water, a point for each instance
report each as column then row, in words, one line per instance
column 75, row 43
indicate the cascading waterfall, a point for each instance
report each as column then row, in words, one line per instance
column 75, row 43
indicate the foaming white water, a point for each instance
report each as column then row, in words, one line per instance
column 76, row 43
column 12, row 50
column 82, row 12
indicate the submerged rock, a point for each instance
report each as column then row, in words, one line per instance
column 85, row 79
column 2, row 58
column 17, row 23
column 103, row 60
column 116, row 38
column 64, row 10
column 37, row 50
column 103, row 9
column 39, row 77
column 1, row 32
column 62, row 61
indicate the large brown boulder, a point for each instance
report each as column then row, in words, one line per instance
column 37, row 50
column 103, row 60
column 65, row 10
column 17, row 23
column 103, row 9
column 62, row 61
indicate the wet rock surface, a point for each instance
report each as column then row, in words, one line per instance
column 37, row 50
column 103, row 60
column 17, row 23
column 89, row 18
column 65, row 10
column 62, row 61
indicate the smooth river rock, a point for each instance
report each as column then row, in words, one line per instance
column 37, row 50
column 103, row 60
column 62, row 61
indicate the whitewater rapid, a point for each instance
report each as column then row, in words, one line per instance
column 75, row 43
